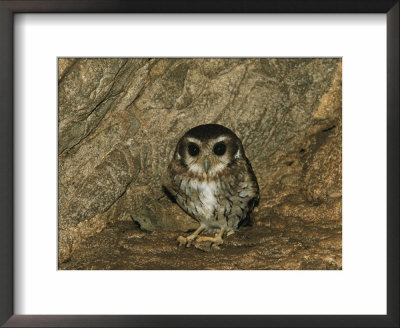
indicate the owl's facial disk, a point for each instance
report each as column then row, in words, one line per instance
column 208, row 157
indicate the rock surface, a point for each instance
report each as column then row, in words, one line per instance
column 119, row 122
column 121, row 246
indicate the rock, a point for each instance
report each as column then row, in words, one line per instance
column 120, row 120
column 163, row 216
column 121, row 246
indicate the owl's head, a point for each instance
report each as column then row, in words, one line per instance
column 208, row 149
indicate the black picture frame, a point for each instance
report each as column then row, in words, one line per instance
column 11, row 7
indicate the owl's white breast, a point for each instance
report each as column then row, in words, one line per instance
column 206, row 192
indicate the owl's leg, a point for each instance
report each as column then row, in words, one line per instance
column 215, row 241
column 189, row 239
column 229, row 233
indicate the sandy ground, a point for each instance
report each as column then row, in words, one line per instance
column 123, row 246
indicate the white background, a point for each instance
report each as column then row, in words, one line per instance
column 360, row 288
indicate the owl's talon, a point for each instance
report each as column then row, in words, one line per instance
column 185, row 241
column 189, row 239
column 218, row 241
column 229, row 233
column 215, row 246
column 182, row 241
column 215, row 241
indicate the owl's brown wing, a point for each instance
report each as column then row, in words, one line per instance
column 168, row 187
column 250, row 177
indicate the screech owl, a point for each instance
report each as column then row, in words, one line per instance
column 212, row 180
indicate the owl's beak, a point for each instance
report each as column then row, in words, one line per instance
column 206, row 165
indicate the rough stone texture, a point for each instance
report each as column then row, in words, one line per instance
column 121, row 246
column 120, row 119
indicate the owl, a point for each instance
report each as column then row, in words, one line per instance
column 212, row 180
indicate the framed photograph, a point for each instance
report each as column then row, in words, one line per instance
column 214, row 164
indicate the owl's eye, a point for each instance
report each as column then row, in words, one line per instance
column 193, row 149
column 219, row 148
